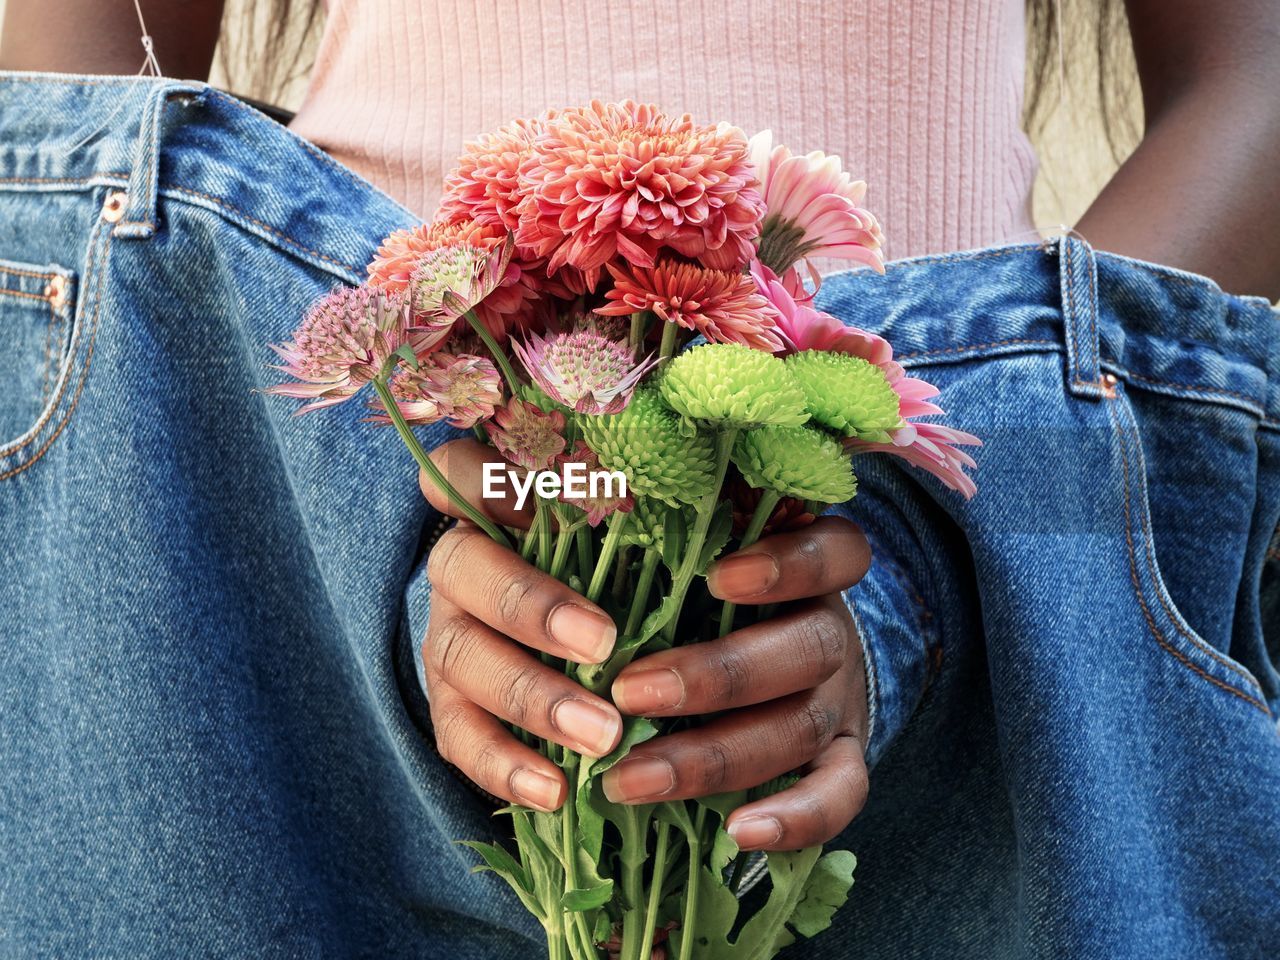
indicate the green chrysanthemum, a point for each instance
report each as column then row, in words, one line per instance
column 727, row 384
column 798, row 462
column 647, row 523
column 847, row 394
column 646, row 443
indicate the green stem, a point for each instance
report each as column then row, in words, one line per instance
column 764, row 510
column 586, row 551
column 564, row 540
column 691, row 890
column 693, row 549
column 531, row 537
column 499, row 356
column 569, row 850
column 621, row 569
column 432, row 471
column 639, row 320
column 655, row 888
column 544, row 536
column 648, row 568
column 670, row 332
column 604, row 563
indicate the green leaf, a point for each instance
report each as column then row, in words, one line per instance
column 724, row 803
column 766, row 933
column 676, row 813
column 717, row 535
column 603, row 929
column 717, row 912
column 674, row 533
column 406, row 354
column 723, row 849
column 825, row 892
column 587, row 898
column 593, row 809
column 634, row 730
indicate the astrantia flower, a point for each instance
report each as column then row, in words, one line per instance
column 624, row 180
column 452, row 279
column 802, row 327
column 344, row 341
column 598, row 507
column 511, row 303
column 847, row 394
column 732, row 385
column 812, row 209
column 527, row 436
column 485, row 186
column 583, row 370
column 796, row 462
column 645, row 441
column 723, row 305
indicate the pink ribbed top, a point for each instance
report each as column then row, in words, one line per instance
column 921, row 98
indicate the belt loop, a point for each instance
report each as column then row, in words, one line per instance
column 1079, row 280
column 139, row 218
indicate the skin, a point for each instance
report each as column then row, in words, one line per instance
column 1199, row 193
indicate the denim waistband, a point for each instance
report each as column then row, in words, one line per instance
column 187, row 141
column 1155, row 327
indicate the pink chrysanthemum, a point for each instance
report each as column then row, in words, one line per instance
column 509, row 304
column 610, row 180
column 344, row 341
column 723, row 305
column 812, row 209
column 582, row 369
column 485, row 186
column 598, row 507
column 527, row 436
column 459, row 388
column 929, row 446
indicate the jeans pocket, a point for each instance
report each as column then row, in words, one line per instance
column 37, row 320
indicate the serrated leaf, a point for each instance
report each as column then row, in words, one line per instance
column 723, row 849
column 825, row 892
column 406, row 354
column 592, row 808
column 717, row 535
column 766, row 932
column 717, row 912
column 676, row 813
column 500, row 861
column 587, row 898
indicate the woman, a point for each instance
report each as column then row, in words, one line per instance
column 1038, row 802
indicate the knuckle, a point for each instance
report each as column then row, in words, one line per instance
column 444, row 556
column 820, row 640
column 713, row 767
column 484, row 765
column 448, row 649
column 449, row 725
column 730, row 678
column 513, row 598
column 815, row 726
column 517, row 691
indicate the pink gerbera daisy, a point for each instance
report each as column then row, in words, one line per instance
column 812, row 209
column 345, row 340
column 800, row 326
column 526, row 435
column 582, row 369
column 510, row 303
column 723, row 305
column 597, row 507
column 459, row 388
column 611, row 180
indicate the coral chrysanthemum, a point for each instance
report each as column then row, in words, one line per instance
column 727, row 384
column 583, row 370
column 645, row 441
column 459, row 388
column 812, row 208
column 625, row 180
column 847, row 394
column 485, row 185
column 796, row 462
column 527, row 436
column 725, row 306
column 510, row 300
column 596, row 504
column 344, row 341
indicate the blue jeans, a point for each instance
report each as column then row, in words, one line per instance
column 213, row 739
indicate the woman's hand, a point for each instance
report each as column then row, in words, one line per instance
column 790, row 692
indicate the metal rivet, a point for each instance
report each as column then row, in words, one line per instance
column 56, row 292
column 1109, row 381
column 113, row 209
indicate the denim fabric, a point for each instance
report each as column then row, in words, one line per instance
column 213, row 741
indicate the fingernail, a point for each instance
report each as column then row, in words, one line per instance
column 536, row 789
column 582, row 631
column 751, row 833
column 594, row 728
column 744, row 575
column 648, row 690
column 637, row 779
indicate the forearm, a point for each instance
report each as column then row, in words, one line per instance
column 103, row 36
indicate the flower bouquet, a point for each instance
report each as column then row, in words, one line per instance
column 616, row 295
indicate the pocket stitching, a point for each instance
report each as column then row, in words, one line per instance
column 96, row 262
column 1147, row 614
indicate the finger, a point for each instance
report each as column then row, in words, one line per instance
column 463, row 464
column 495, row 585
column 482, row 748
column 829, row 555
column 823, row 803
column 795, row 651
column 508, row 681
column 739, row 750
